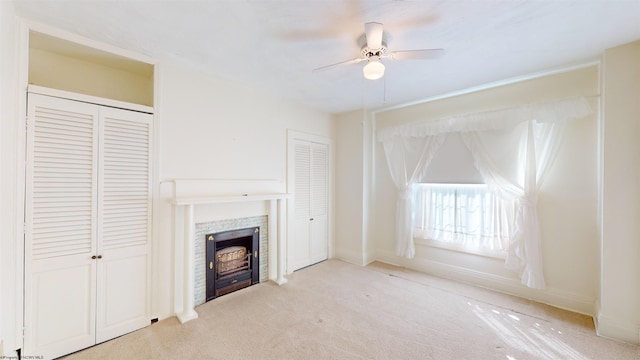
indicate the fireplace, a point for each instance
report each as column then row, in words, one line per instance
column 194, row 197
column 232, row 261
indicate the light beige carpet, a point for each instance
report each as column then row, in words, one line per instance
column 336, row 310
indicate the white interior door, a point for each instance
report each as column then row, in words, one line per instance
column 309, row 241
column 88, row 221
column 124, row 213
column 61, row 225
column 319, row 245
column 299, row 243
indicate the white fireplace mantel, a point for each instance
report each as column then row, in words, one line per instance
column 184, row 221
column 207, row 200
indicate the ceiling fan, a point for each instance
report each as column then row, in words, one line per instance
column 374, row 50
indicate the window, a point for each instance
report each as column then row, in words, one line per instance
column 466, row 217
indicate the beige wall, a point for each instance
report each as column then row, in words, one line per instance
column 553, row 87
column 56, row 71
column 211, row 128
column 619, row 312
column 349, row 188
column 567, row 202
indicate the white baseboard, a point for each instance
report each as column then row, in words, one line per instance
column 369, row 257
column 389, row 258
column 610, row 328
column 551, row 296
column 352, row 257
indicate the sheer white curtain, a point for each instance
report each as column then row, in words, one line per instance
column 518, row 175
column 512, row 148
column 408, row 158
column 466, row 215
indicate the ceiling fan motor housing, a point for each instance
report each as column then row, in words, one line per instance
column 373, row 54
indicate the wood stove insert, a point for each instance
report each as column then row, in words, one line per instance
column 233, row 261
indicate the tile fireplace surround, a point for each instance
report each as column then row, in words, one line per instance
column 185, row 211
column 203, row 228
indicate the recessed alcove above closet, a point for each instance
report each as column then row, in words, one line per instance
column 64, row 65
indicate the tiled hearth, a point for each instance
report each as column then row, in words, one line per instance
column 223, row 225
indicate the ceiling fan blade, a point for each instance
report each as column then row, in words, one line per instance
column 348, row 62
column 415, row 54
column 373, row 32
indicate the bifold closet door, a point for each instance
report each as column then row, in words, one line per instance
column 309, row 243
column 61, row 226
column 124, row 218
column 319, row 239
column 88, row 218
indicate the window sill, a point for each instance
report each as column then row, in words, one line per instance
column 494, row 254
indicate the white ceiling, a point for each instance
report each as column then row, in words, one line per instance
column 273, row 45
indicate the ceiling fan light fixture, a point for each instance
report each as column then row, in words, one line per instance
column 374, row 70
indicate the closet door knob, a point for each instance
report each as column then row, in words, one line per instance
column 311, row 219
column 94, row 257
column 99, row 256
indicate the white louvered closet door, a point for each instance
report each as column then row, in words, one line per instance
column 88, row 212
column 61, row 224
column 124, row 215
column 309, row 243
column 299, row 244
column 319, row 246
